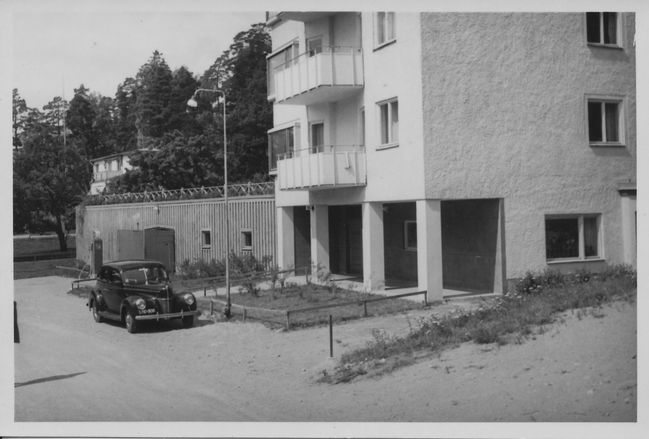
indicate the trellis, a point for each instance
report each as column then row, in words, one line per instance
column 235, row 190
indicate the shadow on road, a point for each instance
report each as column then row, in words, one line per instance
column 151, row 326
column 46, row 379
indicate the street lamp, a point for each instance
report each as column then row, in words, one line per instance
column 193, row 103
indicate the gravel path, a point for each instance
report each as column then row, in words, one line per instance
column 69, row 368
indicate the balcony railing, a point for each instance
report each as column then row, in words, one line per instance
column 322, row 167
column 107, row 175
column 322, row 75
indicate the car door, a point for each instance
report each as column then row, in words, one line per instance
column 113, row 290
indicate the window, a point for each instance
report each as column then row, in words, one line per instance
column 605, row 121
column 206, row 238
column 246, row 240
column 572, row 237
column 384, row 28
column 317, row 137
column 602, row 28
column 314, row 46
column 281, row 143
column 279, row 60
column 389, row 122
column 410, row 235
column 361, row 129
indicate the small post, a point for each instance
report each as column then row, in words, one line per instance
column 364, row 308
column 426, row 298
column 204, row 291
column 331, row 336
column 211, row 307
column 288, row 321
column 244, row 313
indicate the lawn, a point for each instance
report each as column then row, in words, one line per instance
column 26, row 270
column 270, row 305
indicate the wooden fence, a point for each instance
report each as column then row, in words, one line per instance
column 198, row 227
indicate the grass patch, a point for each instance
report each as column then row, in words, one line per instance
column 535, row 302
column 26, row 270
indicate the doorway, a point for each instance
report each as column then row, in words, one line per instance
column 346, row 240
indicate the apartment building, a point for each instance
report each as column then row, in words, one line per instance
column 453, row 151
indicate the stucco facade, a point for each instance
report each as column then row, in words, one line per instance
column 473, row 132
column 505, row 117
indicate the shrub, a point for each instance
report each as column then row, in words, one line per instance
column 535, row 302
column 239, row 265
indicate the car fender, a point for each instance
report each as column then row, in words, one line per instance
column 180, row 301
column 97, row 297
column 128, row 304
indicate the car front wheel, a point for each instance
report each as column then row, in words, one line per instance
column 95, row 312
column 131, row 323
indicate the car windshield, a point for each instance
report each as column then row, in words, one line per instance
column 145, row 276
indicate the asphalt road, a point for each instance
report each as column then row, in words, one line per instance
column 69, row 368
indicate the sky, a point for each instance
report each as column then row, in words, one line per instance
column 55, row 51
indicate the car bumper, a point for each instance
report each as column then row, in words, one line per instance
column 167, row 316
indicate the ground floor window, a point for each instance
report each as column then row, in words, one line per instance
column 572, row 237
column 206, row 238
column 246, row 240
column 410, row 235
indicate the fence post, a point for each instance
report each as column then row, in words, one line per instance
column 331, row 337
column 204, row 291
column 211, row 307
column 364, row 308
column 288, row 321
column 244, row 313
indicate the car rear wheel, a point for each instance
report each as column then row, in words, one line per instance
column 131, row 323
column 95, row 312
column 188, row 321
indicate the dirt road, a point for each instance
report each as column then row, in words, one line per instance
column 69, row 368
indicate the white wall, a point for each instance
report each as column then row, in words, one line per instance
column 394, row 71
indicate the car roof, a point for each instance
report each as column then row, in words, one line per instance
column 129, row 264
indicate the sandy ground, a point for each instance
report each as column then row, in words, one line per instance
column 69, row 368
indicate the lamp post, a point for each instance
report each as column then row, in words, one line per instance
column 193, row 103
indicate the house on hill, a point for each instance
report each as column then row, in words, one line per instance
column 453, row 151
column 108, row 167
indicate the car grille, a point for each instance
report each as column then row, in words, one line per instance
column 163, row 305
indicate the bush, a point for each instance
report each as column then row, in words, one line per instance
column 239, row 265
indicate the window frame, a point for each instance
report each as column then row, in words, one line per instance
column 295, row 125
column 391, row 16
column 310, row 40
column 391, row 142
column 581, row 252
column 618, row 31
column 244, row 233
column 406, row 235
column 204, row 242
column 312, row 146
column 361, row 127
column 621, row 119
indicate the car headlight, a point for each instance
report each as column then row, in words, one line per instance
column 189, row 298
column 140, row 303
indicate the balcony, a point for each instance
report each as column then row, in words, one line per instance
column 323, row 167
column 326, row 75
column 107, row 175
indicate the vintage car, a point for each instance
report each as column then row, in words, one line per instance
column 137, row 290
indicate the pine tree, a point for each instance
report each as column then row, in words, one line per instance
column 152, row 98
column 79, row 121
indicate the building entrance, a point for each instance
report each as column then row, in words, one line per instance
column 346, row 240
